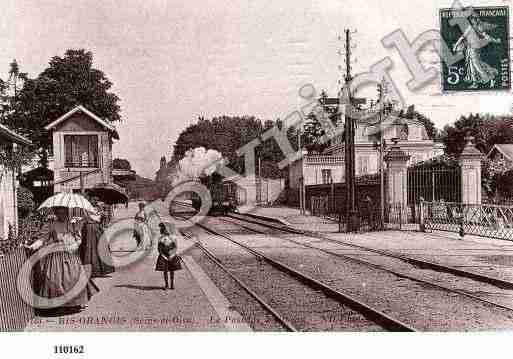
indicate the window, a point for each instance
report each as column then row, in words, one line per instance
column 326, row 176
column 403, row 132
column 363, row 164
column 81, row 150
column 42, row 183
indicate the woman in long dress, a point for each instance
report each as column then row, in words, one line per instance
column 59, row 271
column 470, row 42
column 92, row 231
column 142, row 234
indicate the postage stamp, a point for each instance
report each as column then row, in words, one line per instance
column 483, row 43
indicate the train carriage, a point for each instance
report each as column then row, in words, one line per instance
column 223, row 193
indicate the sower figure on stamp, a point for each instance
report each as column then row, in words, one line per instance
column 471, row 41
column 168, row 261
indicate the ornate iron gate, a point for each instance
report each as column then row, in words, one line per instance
column 434, row 184
column 430, row 184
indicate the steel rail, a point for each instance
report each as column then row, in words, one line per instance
column 381, row 267
column 289, row 326
column 371, row 313
column 498, row 282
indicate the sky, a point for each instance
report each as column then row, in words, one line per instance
column 172, row 61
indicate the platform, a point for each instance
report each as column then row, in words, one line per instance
column 132, row 298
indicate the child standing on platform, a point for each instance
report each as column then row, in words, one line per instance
column 168, row 261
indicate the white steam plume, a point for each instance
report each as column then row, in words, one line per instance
column 197, row 163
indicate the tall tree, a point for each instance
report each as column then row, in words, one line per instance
column 121, row 164
column 227, row 134
column 487, row 130
column 22, row 155
column 67, row 82
column 313, row 133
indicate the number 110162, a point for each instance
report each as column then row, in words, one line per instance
column 68, row 349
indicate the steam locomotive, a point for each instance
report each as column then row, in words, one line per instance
column 223, row 193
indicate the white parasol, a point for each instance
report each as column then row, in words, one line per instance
column 68, row 200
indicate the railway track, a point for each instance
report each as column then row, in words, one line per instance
column 279, row 318
column 498, row 282
column 339, row 310
column 381, row 267
column 483, row 305
column 309, row 295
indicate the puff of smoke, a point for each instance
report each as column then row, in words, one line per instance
column 196, row 163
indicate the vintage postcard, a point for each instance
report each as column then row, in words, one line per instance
column 253, row 166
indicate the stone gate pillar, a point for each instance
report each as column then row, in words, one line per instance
column 470, row 163
column 397, row 182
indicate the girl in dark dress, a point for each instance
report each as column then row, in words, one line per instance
column 167, row 261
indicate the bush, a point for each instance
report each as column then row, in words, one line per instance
column 26, row 202
column 504, row 183
column 28, row 232
column 442, row 161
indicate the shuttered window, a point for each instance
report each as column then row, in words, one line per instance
column 81, row 150
column 363, row 164
column 326, row 176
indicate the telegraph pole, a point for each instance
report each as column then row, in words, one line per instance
column 350, row 159
column 381, row 97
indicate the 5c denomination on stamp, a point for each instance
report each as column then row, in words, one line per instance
column 481, row 36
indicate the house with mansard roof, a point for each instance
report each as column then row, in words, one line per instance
column 329, row 166
column 502, row 152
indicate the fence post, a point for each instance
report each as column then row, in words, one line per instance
column 422, row 226
column 301, row 199
column 397, row 178
column 332, row 201
column 470, row 163
column 400, row 215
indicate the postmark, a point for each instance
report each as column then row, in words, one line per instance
column 480, row 35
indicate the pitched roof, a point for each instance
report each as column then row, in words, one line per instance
column 505, row 148
column 81, row 108
column 13, row 136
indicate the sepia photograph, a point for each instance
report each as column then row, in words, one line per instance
column 254, row 167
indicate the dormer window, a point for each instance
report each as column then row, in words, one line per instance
column 81, row 151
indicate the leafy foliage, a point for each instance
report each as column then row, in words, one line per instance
column 143, row 189
column 29, row 231
column 492, row 178
column 313, row 133
column 121, row 164
column 487, row 131
column 67, row 82
column 443, row 161
column 227, row 134
column 26, row 202
column 504, row 184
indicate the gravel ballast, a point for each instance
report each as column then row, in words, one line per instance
column 421, row 306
